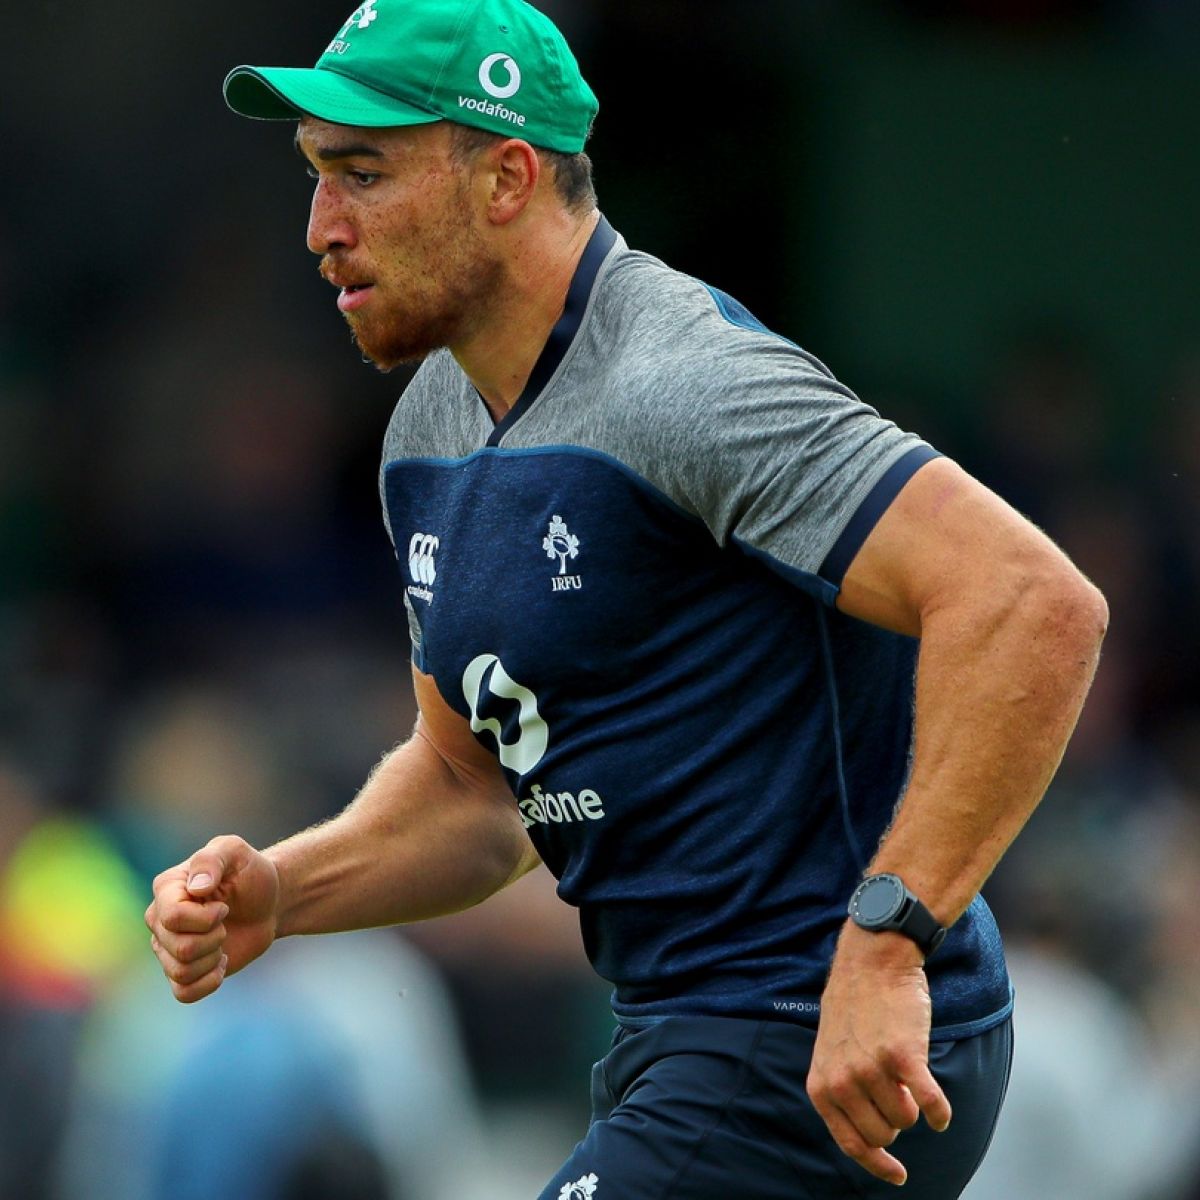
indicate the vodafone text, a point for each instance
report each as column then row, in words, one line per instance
column 492, row 110
column 549, row 808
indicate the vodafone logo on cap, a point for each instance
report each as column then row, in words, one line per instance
column 488, row 83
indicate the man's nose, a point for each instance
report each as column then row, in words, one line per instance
column 328, row 226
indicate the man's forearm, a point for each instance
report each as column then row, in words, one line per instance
column 999, row 689
column 1010, row 636
column 418, row 841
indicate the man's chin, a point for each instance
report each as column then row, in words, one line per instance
column 387, row 357
column 389, row 352
column 385, row 362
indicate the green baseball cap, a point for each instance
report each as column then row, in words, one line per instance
column 498, row 65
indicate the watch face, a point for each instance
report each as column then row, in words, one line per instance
column 879, row 899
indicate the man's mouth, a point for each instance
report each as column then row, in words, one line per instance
column 355, row 291
column 354, row 295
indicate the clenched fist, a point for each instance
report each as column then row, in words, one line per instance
column 212, row 915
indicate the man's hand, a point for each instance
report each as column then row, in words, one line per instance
column 212, row 915
column 870, row 1074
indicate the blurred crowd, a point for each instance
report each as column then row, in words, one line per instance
column 201, row 632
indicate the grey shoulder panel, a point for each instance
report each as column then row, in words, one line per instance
column 734, row 424
column 437, row 416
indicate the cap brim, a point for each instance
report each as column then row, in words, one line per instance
column 286, row 93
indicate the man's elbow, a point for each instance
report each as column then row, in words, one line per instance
column 1063, row 604
column 1094, row 610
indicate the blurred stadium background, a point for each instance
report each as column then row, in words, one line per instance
column 982, row 215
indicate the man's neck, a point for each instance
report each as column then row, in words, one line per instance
column 500, row 355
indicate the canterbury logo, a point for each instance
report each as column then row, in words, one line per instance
column 485, row 676
column 421, row 565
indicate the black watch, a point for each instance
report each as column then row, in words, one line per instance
column 883, row 902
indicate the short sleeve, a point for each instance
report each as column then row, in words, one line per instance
column 786, row 462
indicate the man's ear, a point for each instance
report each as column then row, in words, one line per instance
column 516, row 169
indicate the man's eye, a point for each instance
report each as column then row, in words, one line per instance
column 364, row 178
column 311, row 172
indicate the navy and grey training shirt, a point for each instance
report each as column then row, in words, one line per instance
column 626, row 586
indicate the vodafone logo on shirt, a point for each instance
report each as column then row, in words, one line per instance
column 485, row 678
column 485, row 674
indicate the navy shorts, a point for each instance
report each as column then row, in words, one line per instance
column 714, row 1108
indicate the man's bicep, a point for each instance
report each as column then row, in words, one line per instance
column 942, row 538
column 450, row 735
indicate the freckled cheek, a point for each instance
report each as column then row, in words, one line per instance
column 385, row 243
column 392, row 238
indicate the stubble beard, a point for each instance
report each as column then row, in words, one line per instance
column 438, row 311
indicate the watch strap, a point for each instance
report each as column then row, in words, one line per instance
column 918, row 923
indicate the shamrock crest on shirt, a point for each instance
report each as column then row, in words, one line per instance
column 581, row 1189
column 560, row 543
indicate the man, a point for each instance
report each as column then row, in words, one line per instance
column 664, row 577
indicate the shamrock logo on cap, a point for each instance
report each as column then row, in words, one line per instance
column 362, row 16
